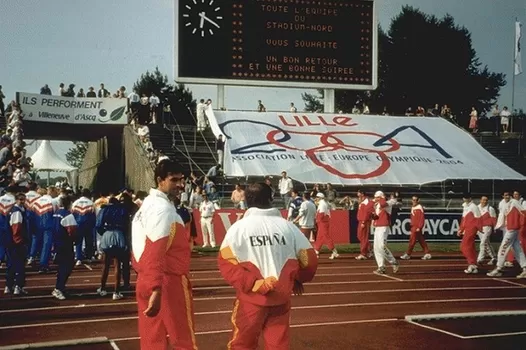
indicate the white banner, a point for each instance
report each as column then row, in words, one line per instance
column 72, row 110
column 353, row 149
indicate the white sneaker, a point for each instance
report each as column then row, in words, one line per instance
column 30, row 261
column 523, row 274
column 508, row 264
column 472, row 269
column 58, row 294
column 78, row 263
column 19, row 291
column 380, row 271
column 492, row 262
column 405, row 257
column 426, row 257
column 102, row 292
column 494, row 273
column 334, row 256
column 117, row 296
column 396, row 267
column 361, row 257
column 7, row 290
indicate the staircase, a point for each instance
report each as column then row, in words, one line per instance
column 194, row 151
column 506, row 149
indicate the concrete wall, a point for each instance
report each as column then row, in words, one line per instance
column 138, row 171
column 103, row 166
column 95, row 155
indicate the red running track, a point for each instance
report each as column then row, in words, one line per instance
column 345, row 307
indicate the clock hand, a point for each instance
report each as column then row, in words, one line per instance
column 203, row 17
column 202, row 14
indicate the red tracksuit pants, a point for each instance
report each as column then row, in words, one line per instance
column 363, row 232
column 249, row 321
column 175, row 319
column 323, row 237
column 417, row 236
column 467, row 246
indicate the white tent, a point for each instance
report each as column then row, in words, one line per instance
column 46, row 159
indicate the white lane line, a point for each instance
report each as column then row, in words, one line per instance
column 436, row 329
column 388, row 276
column 510, row 282
column 306, row 325
column 494, row 335
column 455, row 315
column 306, row 307
column 88, row 267
column 114, row 346
column 381, row 291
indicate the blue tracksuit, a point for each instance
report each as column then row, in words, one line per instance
column 6, row 204
column 295, row 206
column 84, row 213
column 43, row 209
column 17, row 247
column 64, row 225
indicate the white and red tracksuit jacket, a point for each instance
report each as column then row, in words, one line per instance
column 323, row 213
column 513, row 216
column 382, row 209
column 488, row 216
column 417, row 218
column 263, row 245
column 471, row 219
column 365, row 209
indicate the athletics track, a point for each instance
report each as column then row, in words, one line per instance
column 345, row 307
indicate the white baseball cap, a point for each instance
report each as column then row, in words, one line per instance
column 320, row 195
column 379, row 194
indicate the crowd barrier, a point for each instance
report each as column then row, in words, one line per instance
column 224, row 218
column 439, row 226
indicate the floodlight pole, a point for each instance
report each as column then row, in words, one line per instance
column 328, row 100
column 220, row 97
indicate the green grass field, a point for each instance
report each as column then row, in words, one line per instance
column 396, row 248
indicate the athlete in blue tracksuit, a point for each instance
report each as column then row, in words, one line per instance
column 6, row 204
column 84, row 212
column 17, row 247
column 294, row 206
column 64, row 234
column 43, row 209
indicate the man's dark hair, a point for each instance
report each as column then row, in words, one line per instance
column 20, row 196
column 66, row 201
column 166, row 167
column 362, row 192
column 306, row 195
column 86, row 193
column 258, row 195
column 32, row 186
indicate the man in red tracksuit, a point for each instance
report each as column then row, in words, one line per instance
column 161, row 257
column 470, row 225
column 365, row 210
column 417, row 227
column 265, row 258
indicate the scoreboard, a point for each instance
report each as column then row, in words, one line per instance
column 280, row 43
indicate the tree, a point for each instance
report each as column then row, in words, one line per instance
column 75, row 155
column 425, row 61
column 176, row 95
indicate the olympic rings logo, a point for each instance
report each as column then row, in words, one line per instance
column 331, row 142
column 277, row 140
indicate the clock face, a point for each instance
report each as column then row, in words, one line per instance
column 202, row 17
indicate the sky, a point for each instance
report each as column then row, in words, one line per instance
column 89, row 42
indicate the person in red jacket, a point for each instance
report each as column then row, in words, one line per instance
column 382, row 228
column 417, row 227
column 161, row 257
column 365, row 211
column 265, row 258
column 513, row 218
column 489, row 220
column 470, row 225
